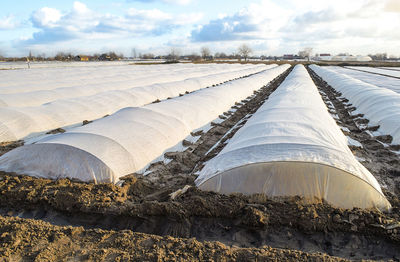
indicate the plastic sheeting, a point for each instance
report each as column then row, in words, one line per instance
column 128, row 140
column 292, row 146
column 373, row 79
column 47, row 85
column 22, row 122
column 376, row 70
column 380, row 106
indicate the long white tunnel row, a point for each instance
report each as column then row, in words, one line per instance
column 128, row 140
column 21, row 122
column 292, row 146
column 379, row 105
column 100, row 83
column 21, row 81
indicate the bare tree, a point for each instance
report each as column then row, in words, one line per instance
column 174, row 54
column 205, row 53
column 148, row 56
column 220, row 55
column 194, row 57
column 244, row 51
column 306, row 52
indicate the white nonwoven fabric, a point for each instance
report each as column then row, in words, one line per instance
column 291, row 146
column 23, row 122
column 379, row 105
column 128, row 140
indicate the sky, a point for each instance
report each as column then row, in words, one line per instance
column 269, row 27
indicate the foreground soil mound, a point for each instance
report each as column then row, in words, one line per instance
column 25, row 239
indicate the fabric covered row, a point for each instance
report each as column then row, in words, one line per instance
column 21, row 122
column 292, row 147
column 17, row 81
column 379, row 105
column 375, row 70
column 94, row 82
column 131, row 138
column 373, row 79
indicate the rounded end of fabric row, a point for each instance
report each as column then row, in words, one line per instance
column 309, row 180
column 56, row 161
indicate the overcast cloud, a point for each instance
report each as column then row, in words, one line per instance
column 269, row 26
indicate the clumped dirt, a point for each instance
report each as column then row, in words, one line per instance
column 8, row 146
column 37, row 240
column 56, row 131
column 163, row 216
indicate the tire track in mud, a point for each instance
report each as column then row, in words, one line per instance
column 143, row 204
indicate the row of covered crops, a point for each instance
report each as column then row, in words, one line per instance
column 290, row 146
column 69, row 105
column 381, row 106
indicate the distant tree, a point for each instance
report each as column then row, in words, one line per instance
column 220, row 55
column 234, row 55
column 61, row 56
column 174, row 54
column 148, row 56
column 244, row 51
column 113, row 55
column 194, row 57
column 306, row 53
column 134, row 55
column 96, row 56
column 205, row 53
column 379, row 56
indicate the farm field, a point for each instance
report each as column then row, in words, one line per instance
column 54, row 64
column 391, row 68
column 379, row 105
column 31, row 108
column 374, row 79
column 193, row 162
column 374, row 70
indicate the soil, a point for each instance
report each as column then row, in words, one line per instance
column 56, row 131
column 163, row 216
column 7, row 146
column 55, row 243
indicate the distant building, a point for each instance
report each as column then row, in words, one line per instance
column 288, row 57
column 105, row 57
column 324, row 54
column 81, row 58
column 344, row 58
column 292, row 57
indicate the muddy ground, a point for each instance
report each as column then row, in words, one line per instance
column 151, row 218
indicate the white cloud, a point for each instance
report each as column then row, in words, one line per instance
column 8, row 23
column 83, row 23
column 46, row 17
column 309, row 23
column 269, row 26
column 177, row 2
